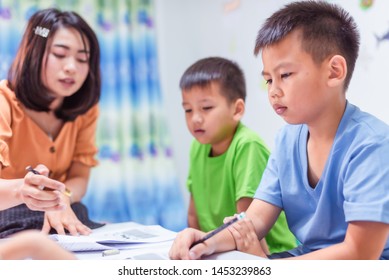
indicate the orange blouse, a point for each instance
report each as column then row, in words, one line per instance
column 23, row 142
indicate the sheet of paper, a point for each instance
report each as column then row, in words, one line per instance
column 119, row 235
column 133, row 233
column 151, row 251
column 78, row 243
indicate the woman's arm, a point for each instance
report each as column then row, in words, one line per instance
column 32, row 244
column 26, row 190
column 77, row 180
column 77, row 183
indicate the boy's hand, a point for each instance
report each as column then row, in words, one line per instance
column 180, row 248
column 246, row 239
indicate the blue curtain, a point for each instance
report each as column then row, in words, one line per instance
column 136, row 179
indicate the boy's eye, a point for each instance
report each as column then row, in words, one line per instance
column 207, row 108
column 286, row 75
column 188, row 111
column 269, row 81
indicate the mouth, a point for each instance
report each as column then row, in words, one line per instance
column 279, row 109
column 67, row 81
column 198, row 131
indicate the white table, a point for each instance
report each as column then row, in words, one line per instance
column 154, row 251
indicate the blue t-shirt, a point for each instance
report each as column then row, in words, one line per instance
column 354, row 185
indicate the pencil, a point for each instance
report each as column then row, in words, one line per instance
column 66, row 192
column 219, row 229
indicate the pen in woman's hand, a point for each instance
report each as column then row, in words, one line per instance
column 67, row 192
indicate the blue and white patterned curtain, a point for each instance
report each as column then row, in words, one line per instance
column 136, row 179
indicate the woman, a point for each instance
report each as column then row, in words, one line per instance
column 48, row 116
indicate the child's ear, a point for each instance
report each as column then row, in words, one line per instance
column 338, row 70
column 239, row 109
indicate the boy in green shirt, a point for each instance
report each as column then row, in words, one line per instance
column 227, row 159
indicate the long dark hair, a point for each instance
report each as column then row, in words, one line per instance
column 24, row 76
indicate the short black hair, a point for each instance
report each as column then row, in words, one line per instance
column 327, row 29
column 24, row 75
column 216, row 69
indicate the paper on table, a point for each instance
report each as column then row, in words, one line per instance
column 121, row 235
column 138, row 251
column 134, row 233
column 78, row 243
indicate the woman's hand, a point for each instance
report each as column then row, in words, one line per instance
column 66, row 219
column 41, row 193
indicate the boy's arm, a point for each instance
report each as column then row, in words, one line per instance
column 249, row 165
column 243, row 203
column 363, row 241
column 261, row 216
column 192, row 216
column 264, row 215
column 242, row 206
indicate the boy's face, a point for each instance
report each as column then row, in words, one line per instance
column 209, row 116
column 296, row 85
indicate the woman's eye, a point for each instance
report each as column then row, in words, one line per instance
column 59, row 55
column 269, row 81
column 188, row 111
column 81, row 60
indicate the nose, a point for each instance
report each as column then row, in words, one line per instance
column 197, row 118
column 70, row 66
column 275, row 91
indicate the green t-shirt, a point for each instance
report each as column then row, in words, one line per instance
column 217, row 183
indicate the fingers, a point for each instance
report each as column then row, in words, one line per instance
column 244, row 230
column 201, row 249
column 181, row 244
column 44, row 203
column 245, row 237
column 184, row 239
column 37, row 180
column 39, row 200
column 227, row 219
column 59, row 228
column 61, row 222
column 46, row 226
column 43, row 170
column 78, row 228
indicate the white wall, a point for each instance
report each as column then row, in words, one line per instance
column 192, row 29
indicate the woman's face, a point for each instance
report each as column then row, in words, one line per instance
column 65, row 65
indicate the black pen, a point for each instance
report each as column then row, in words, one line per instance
column 219, row 229
column 67, row 192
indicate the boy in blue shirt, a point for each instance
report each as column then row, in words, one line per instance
column 329, row 171
column 227, row 159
